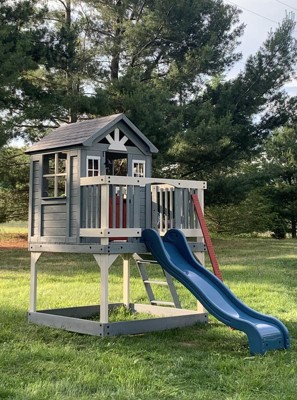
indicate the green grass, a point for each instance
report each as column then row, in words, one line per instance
column 202, row 362
column 12, row 229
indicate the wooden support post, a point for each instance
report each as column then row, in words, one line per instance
column 126, row 280
column 105, row 210
column 33, row 282
column 200, row 255
column 155, row 207
column 208, row 242
column 104, row 261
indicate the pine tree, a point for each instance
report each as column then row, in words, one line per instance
column 227, row 123
column 20, row 52
column 280, row 162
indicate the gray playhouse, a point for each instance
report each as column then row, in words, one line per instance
column 91, row 191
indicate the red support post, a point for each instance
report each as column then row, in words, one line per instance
column 208, row 242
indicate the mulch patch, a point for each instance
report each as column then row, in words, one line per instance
column 14, row 243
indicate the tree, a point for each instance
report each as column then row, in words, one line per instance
column 261, row 196
column 280, row 161
column 152, row 48
column 20, row 52
column 100, row 57
column 55, row 92
column 14, row 184
column 227, row 123
column 252, row 215
column 159, row 62
column 157, row 38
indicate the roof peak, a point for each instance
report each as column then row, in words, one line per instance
column 82, row 133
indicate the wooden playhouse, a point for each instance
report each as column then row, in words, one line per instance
column 91, row 191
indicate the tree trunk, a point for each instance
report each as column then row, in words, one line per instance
column 293, row 224
column 68, row 13
column 114, row 67
column 72, row 87
column 116, row 48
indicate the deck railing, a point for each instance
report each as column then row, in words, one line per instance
column 120, row 207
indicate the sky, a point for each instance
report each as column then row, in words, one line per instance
column 260, row 17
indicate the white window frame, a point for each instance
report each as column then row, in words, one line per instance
column 134, row 163
column 87, row 166
column 55, row 175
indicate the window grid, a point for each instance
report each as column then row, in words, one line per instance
column 138, row 168
column 57, row 178
column 93, row 166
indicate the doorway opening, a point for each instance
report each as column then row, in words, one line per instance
column 116, row 164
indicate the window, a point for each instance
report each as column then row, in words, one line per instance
column 93, row 166
column 138, row 168
column 54, row 175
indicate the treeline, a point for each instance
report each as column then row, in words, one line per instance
column 164, row 64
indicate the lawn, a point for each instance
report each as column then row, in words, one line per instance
column 202, row 362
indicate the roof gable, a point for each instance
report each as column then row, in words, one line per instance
column 85, row 133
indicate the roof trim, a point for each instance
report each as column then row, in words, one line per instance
column 121, row 117
column 85, row 140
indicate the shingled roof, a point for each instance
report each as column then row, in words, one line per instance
column 84, row 133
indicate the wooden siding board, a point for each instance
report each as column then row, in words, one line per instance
column 148, row 206
column 53, row 209
column 177, row 208
column 83, row 207
column 136, row 207
column 53, row 239
column 62, row 216
column 54, row 231
column 39, row 197
column 59, row 223
column 68, row 193
column 31, row 221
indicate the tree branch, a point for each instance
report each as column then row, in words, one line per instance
column 63, row 3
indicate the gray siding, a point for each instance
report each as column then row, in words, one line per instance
column 35, row 198
column 54, row 220
column 74, row 199
column 142, row 207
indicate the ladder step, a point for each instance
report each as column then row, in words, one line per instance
column 162, row 283
column 162, row 303
column 142, row 264
column 146, row 262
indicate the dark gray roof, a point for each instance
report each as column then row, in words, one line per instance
column 84, row 133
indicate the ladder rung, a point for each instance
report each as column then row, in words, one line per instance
column 162, row 283
column 162, row 303
column 146, row 262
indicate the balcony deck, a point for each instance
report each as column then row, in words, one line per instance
column 115, row 209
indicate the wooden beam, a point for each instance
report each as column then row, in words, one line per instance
column 126, row 280
column 129, row 180
column 104, row 261
column 33, row 281
column 209, row 245
column 110, row 232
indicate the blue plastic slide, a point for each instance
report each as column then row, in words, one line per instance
column 174, row 255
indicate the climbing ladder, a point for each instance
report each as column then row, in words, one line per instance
column 142, row 267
